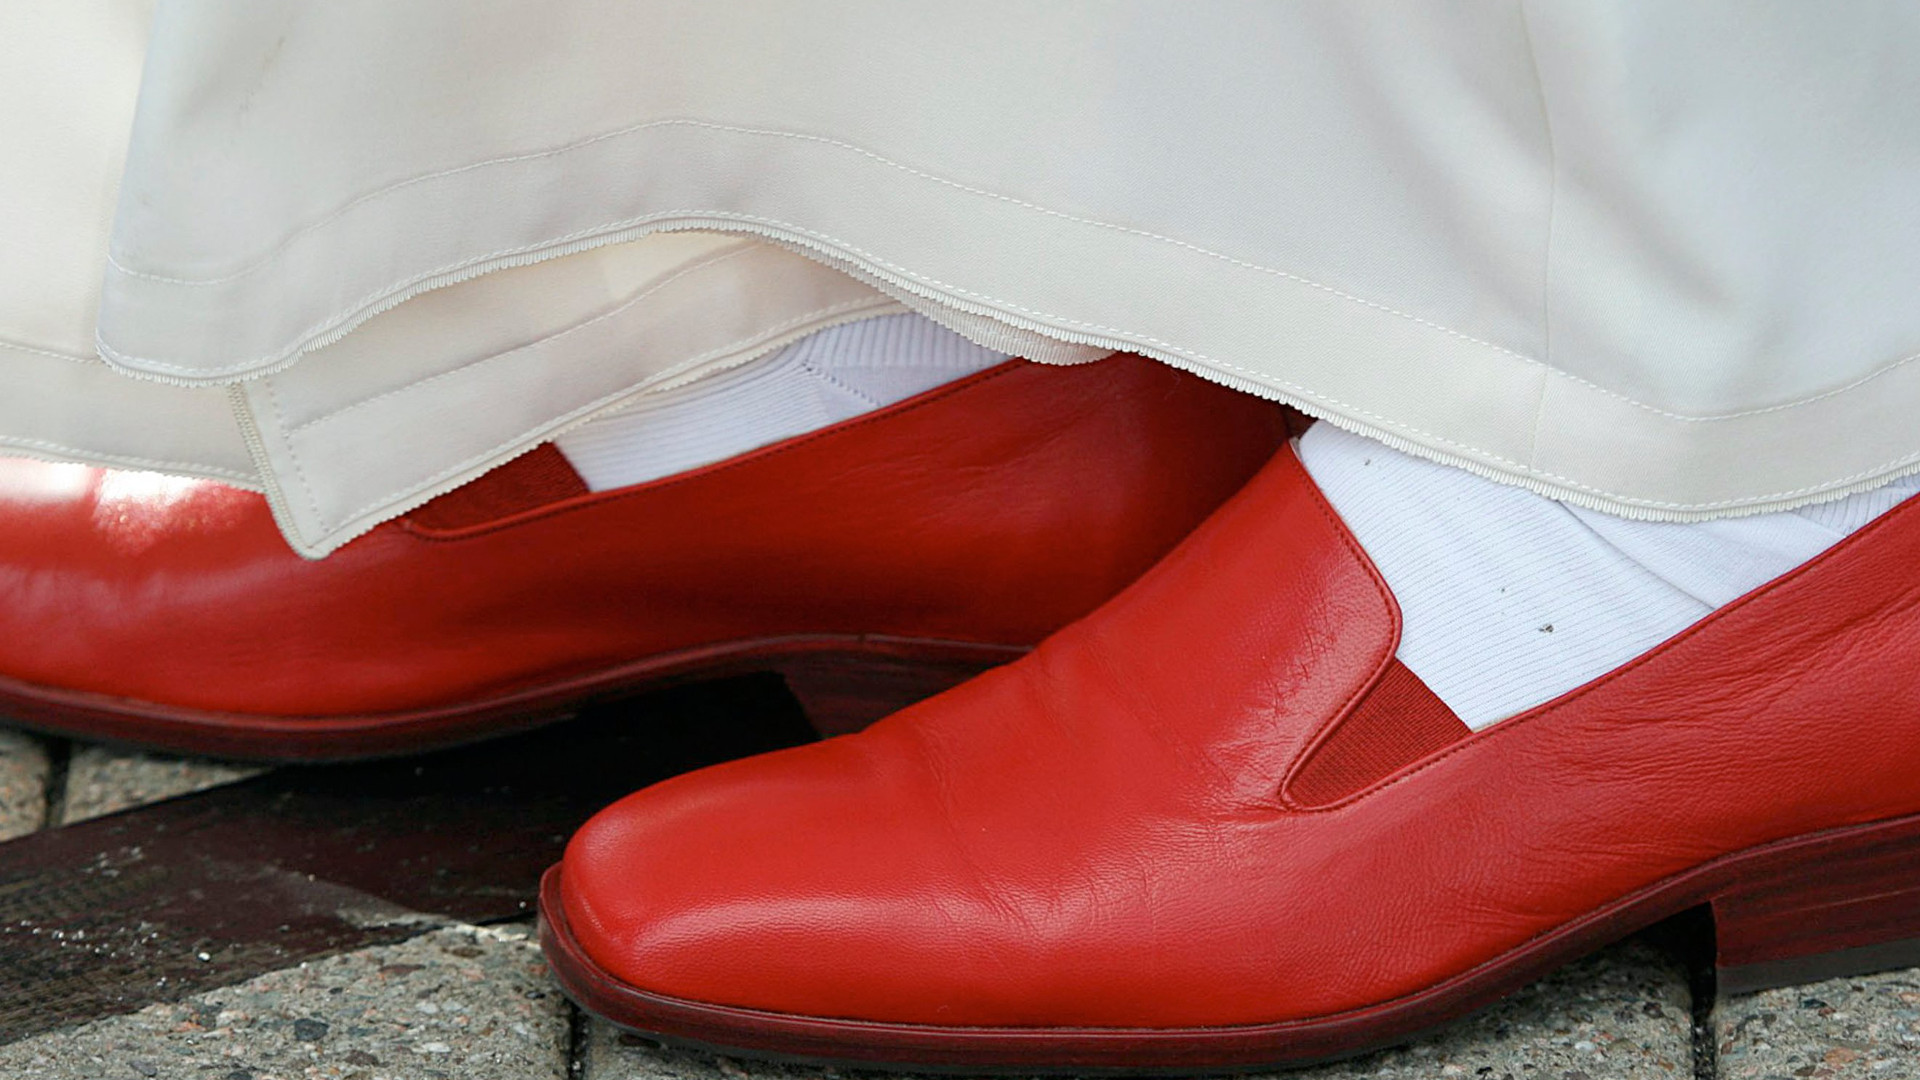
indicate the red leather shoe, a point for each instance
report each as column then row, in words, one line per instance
column 1215, row 824
column 873, row 563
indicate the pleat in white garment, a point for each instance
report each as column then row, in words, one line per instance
column 418, row 399
column 1659, row 260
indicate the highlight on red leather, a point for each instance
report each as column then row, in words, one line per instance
column 1181, row 834
column 873, row 562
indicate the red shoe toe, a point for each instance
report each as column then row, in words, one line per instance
column 1215, row 824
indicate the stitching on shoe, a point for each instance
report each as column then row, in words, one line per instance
column 1910, row 507
column 1380, row 662
column 598, row 498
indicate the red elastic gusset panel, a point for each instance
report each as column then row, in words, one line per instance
column 1400, row 722
column 541, row 476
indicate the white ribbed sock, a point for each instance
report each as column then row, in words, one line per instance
column 824, row 378
column 1509, row 599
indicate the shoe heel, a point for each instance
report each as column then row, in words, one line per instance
column 844, row 692
column 1837, row 905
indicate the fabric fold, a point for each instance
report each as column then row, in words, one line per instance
column 1601, row 250
column 434, row 393
column 1643, row 258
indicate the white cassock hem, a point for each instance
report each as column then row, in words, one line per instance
column 1644, row 258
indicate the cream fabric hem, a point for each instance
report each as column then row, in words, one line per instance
column 423, row 398
column 1643, row 257
column 1658, row 260
column 342, row 446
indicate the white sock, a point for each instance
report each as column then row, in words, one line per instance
column 1509, row 599
column 822, row 379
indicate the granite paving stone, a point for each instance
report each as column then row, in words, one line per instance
column 102, row 780
column 1834, row 1030
column 608, row 1053
column 462, row 1003
column 478, row 1003
column 24, row 768
column 1624, row 1013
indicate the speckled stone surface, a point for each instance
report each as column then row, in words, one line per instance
column 456, row 1004
column 1839, row 1029
column 466, row 1003
column 24, row 766
column 607, row 1053
column 1624, row 1014
column 102, row 780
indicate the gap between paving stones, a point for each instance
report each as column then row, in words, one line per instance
column 467, row 1002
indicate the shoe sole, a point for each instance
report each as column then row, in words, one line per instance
column 844, row 682
column 1824, row 905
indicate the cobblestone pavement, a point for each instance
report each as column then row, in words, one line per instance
column 472, row 1003
column 1841, row 1028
